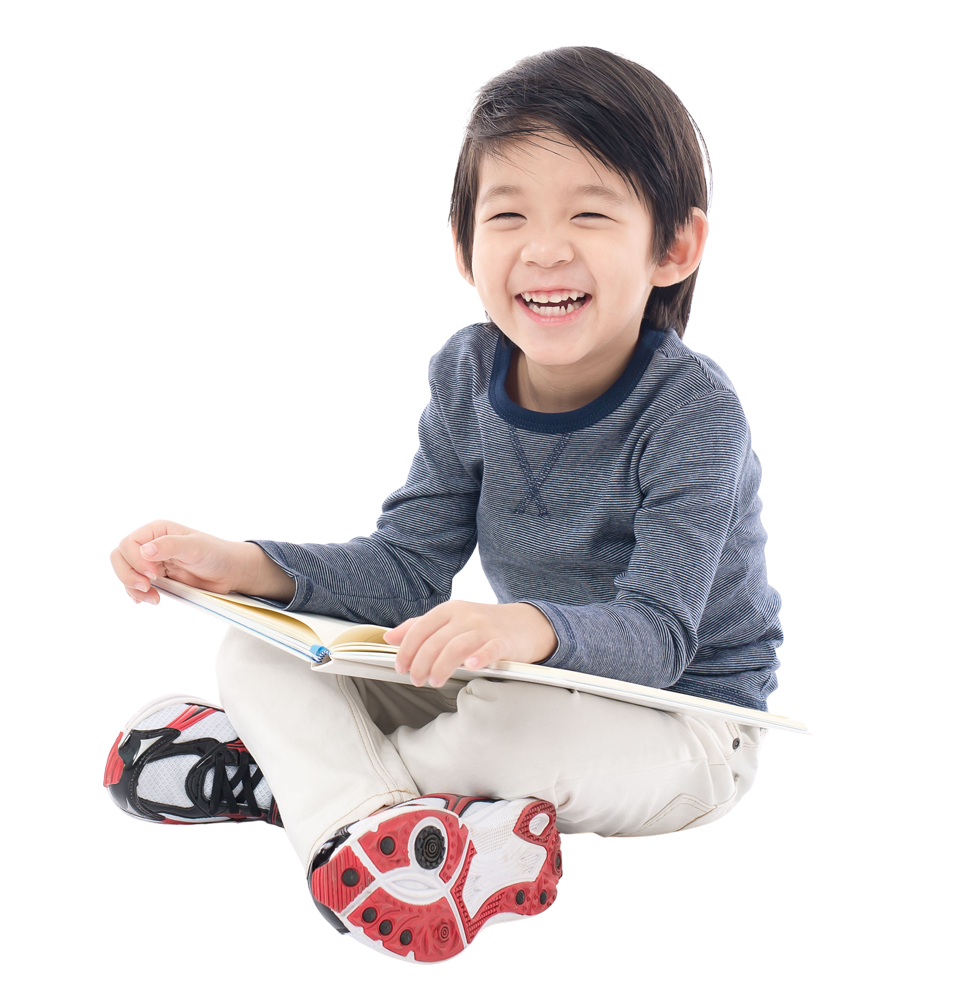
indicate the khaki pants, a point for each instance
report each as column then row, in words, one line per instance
column 334, row 749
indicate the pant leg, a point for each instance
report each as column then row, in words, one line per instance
column 609, row 767
column 326, row 760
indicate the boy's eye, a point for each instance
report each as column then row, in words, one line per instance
column 514, row 215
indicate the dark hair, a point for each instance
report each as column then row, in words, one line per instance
column 618, row 112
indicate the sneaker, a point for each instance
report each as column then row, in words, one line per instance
column 419, row 879
column 179, row 760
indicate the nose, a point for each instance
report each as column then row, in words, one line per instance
column 547, row 248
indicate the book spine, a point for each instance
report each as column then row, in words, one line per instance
column 321, row 654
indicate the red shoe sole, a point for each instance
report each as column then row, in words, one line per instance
column 386, row 890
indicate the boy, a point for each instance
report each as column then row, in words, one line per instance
column 606, row 471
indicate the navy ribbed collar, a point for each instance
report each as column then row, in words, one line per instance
column 571, row 420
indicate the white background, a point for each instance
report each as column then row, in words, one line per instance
column 225, row 265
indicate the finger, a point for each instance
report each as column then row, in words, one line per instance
column 157, row 528
column 136, row 585
column 445, row 645
column 184, row 576
column 131, row 579
column 395, row 636
column 152, row 597
column 488, row 654
column 420, row 630
column 182, row 548
column 153, row 530
column 460, row 652
column 130, row 547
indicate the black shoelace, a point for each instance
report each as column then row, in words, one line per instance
column 223, row 797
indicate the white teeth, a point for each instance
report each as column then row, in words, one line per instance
column 543, row 297
column 553, row 310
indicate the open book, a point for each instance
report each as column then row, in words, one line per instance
column 342, row 647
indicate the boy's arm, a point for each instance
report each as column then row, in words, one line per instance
column 425, row 534
column 690, row 475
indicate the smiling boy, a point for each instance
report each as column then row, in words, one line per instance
column 562, row 261
column 552, row 220
column 606, row 471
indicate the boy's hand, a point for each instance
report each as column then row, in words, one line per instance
column 465, row 634
column 167, row 549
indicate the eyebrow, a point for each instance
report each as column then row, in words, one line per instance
column 593, row 190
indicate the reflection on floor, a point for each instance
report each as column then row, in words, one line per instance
column 685, row 899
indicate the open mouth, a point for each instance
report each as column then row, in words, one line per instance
column 564, row 307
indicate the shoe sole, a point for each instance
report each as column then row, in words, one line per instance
column 114, row 764
column 415, row 885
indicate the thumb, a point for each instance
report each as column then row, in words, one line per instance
column 395, row 636
column 184, row 548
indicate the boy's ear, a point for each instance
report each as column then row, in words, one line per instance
column 685, row 254
column 458, row 254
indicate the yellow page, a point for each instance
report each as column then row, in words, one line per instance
column 244, row 607
column 361, row 637
column 307, row 628
column 323, row 629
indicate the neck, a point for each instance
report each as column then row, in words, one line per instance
column 559, row 390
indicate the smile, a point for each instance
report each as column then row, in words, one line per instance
column 561, row 311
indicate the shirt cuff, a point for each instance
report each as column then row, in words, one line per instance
column 566, row 648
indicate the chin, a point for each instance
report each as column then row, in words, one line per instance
column 551, row 355
column 543, row 339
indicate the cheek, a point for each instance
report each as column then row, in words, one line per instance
column 490, row 270
column 485, row 248
column 624, row 285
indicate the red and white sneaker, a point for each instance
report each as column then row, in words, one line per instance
column 419, row 879
column 179, row 760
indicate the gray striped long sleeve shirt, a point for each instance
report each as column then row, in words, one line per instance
column 632, row 523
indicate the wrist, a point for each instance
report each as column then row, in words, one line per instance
column 541, row 637
column 263, row 577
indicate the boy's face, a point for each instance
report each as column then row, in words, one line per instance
column 546, row 232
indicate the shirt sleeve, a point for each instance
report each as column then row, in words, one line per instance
column 424, row 536
column 689, row 474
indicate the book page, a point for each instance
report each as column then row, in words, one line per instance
column 361, row 637
column 330, row 631
column 278, row 620
column 310, row 629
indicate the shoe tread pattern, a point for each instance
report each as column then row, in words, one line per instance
column 441, row 928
